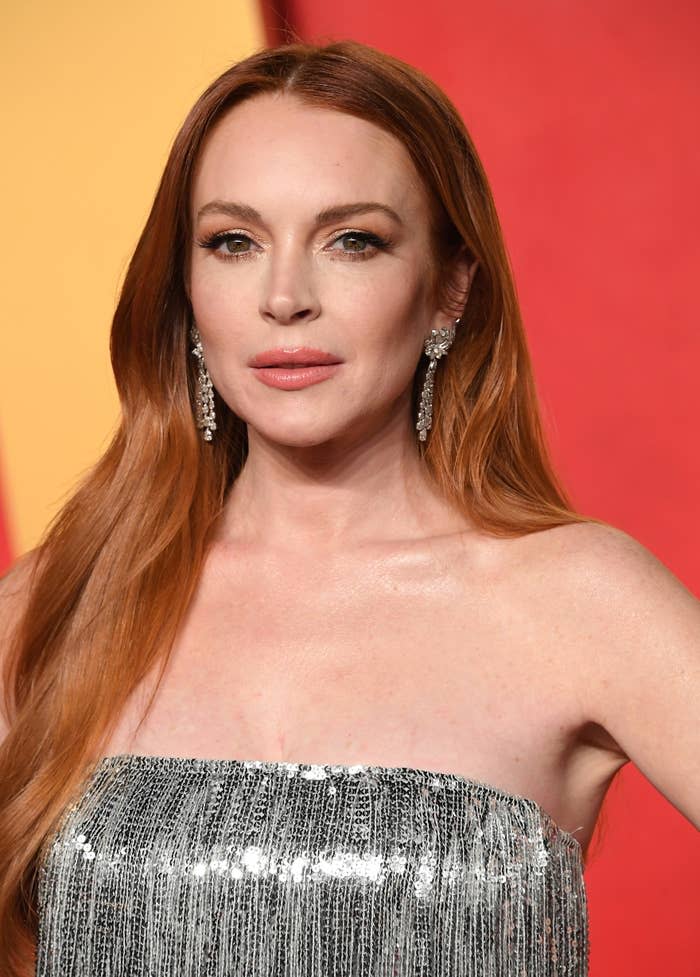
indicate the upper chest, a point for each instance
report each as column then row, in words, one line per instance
column 445, row 656
column 269, row 613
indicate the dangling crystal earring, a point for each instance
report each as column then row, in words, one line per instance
column 436, row 345
column 204, row 401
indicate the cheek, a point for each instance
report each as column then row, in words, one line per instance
column 378, row 324
column 222, row 335
column 212, row 301
column 399, row 319
column 389, row 349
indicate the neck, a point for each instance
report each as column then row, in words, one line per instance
column 341, row 493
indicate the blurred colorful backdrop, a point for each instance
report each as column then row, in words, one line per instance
column 585, row 115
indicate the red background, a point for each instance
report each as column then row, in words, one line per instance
column 585, row 115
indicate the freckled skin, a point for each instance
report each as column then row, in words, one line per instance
column 301, row 286
column 346, row 613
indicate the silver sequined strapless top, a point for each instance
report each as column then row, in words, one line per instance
column 173, row 867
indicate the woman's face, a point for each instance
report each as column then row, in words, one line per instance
column 269, row 271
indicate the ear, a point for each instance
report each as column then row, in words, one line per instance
column 459, row 283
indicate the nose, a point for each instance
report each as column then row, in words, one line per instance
column 289, row 291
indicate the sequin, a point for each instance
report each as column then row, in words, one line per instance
column 174, row 867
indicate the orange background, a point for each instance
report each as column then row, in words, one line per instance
column 585, row 116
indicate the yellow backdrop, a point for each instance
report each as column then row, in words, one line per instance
column 93, row 96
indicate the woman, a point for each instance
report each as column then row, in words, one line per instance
column 319, row 672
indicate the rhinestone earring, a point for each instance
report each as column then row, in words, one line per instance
column 436, row 345
column 204, row 401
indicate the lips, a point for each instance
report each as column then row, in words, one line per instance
column 294, row 369
column 293, row 358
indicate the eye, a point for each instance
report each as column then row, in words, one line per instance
column 231, row 239
column 236, row 245
column 359, row 241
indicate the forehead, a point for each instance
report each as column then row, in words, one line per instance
column 273, row 148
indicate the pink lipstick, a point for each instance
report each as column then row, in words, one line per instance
column 294, row 368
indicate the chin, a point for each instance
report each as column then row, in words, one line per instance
column 295, row 435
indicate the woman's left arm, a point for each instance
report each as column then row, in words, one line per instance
column 643, row 676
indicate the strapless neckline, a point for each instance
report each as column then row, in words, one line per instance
column 419, row 774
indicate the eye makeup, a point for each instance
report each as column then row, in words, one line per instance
column 214, row 241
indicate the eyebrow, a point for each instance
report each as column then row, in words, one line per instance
column 329, row 215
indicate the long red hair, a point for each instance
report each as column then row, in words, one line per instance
column 115, row 570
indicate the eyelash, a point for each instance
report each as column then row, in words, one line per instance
column 214, row 240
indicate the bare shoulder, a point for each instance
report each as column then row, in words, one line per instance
column 634, row 631
column 621, row 594
column 602, row 561
column 15, row 586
